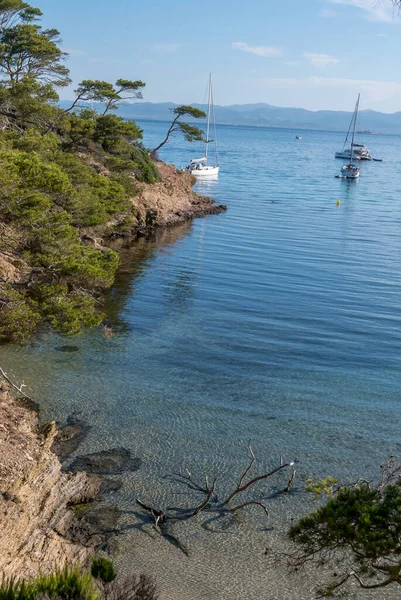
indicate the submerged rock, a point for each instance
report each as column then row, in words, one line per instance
column 107, row 462
column 69, row 437
column 28, row 403
column 94, row 524
column 66, row 349
column 108, row 485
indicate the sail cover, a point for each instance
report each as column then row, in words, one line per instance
column 197, row 161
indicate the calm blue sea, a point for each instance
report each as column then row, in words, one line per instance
column 278, row 321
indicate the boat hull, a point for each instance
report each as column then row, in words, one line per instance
column 347, row 155
column 349, row 176
column 205, row 171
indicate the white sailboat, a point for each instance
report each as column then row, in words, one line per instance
column 200, row 167
column 351, row 171
column 359, row 151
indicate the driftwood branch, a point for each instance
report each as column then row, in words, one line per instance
column 15, row 386
column 253, row 458
column 290, row 482
column 158, row 515
column 391, row 472
column 373, row 586
column 235, row 508
column 244, row 486
column 335, row 586
column 207, row 499
column 191, row 483
column 214, row 509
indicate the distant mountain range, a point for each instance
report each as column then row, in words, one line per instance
column 265, row 115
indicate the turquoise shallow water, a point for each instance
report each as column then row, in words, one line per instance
column 278, row 321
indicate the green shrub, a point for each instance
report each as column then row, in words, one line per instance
column 68, row 584
column 19, row 315
column 68, row 311
column 11, row 589
column 103, row 569
column 144, row 168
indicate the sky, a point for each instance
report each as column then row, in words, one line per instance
column 313, row 54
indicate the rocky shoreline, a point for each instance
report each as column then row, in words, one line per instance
column 170, row 201
column 40, row 529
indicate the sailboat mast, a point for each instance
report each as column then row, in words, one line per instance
column 214, row 121
column 349, row 129
column 353, row 130
column 208, row 115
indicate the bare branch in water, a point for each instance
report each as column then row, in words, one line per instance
column 14, row 385
column 241, row 487
column 214, row 508
column 235, row 508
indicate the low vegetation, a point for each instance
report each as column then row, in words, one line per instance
column 62, row 173
column 103, row 569
column 76, row 584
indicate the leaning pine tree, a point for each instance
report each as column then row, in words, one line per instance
column 190, row 132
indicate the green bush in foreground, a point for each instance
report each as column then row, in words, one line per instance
column 15, row 590
column 73, row 584
column 103, row 569
column 68, row 584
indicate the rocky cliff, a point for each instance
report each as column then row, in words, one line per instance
column 37, row 522
column 171, row 200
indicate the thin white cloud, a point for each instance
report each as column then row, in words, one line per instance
column 169, row 48
column 382, row 35
column 326, row 13
column 291, row 63
column 373, row 92
column 265, row 51
column 375, row 10
column 320, row 61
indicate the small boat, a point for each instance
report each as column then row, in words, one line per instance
column 359, row 151
column 351, row 171
column 200, row 167
column 298, row 137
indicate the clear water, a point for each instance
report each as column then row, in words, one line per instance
column 278, row 321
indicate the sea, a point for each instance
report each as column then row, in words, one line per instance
column 276, row 323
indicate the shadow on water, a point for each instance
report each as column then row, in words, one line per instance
column 136, row 258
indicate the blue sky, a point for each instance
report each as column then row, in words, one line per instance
column 314, row 54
